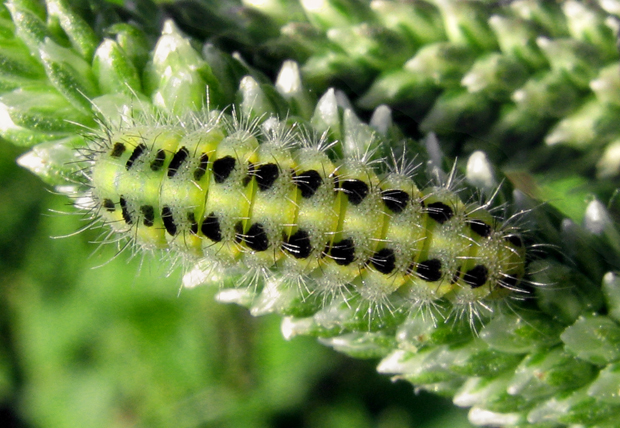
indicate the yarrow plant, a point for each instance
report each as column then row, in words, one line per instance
column 292, row 204
column 481, row 74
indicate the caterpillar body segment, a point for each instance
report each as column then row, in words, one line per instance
column 186, row 181
column 233, row 197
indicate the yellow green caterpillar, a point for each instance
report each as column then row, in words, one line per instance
column 269, row 200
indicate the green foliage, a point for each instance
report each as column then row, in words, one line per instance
column 113, row 347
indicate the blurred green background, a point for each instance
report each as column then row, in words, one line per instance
column 119, row 346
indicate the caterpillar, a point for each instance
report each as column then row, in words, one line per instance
column 270, row 200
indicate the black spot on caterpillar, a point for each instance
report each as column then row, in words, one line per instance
column 226, row 196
